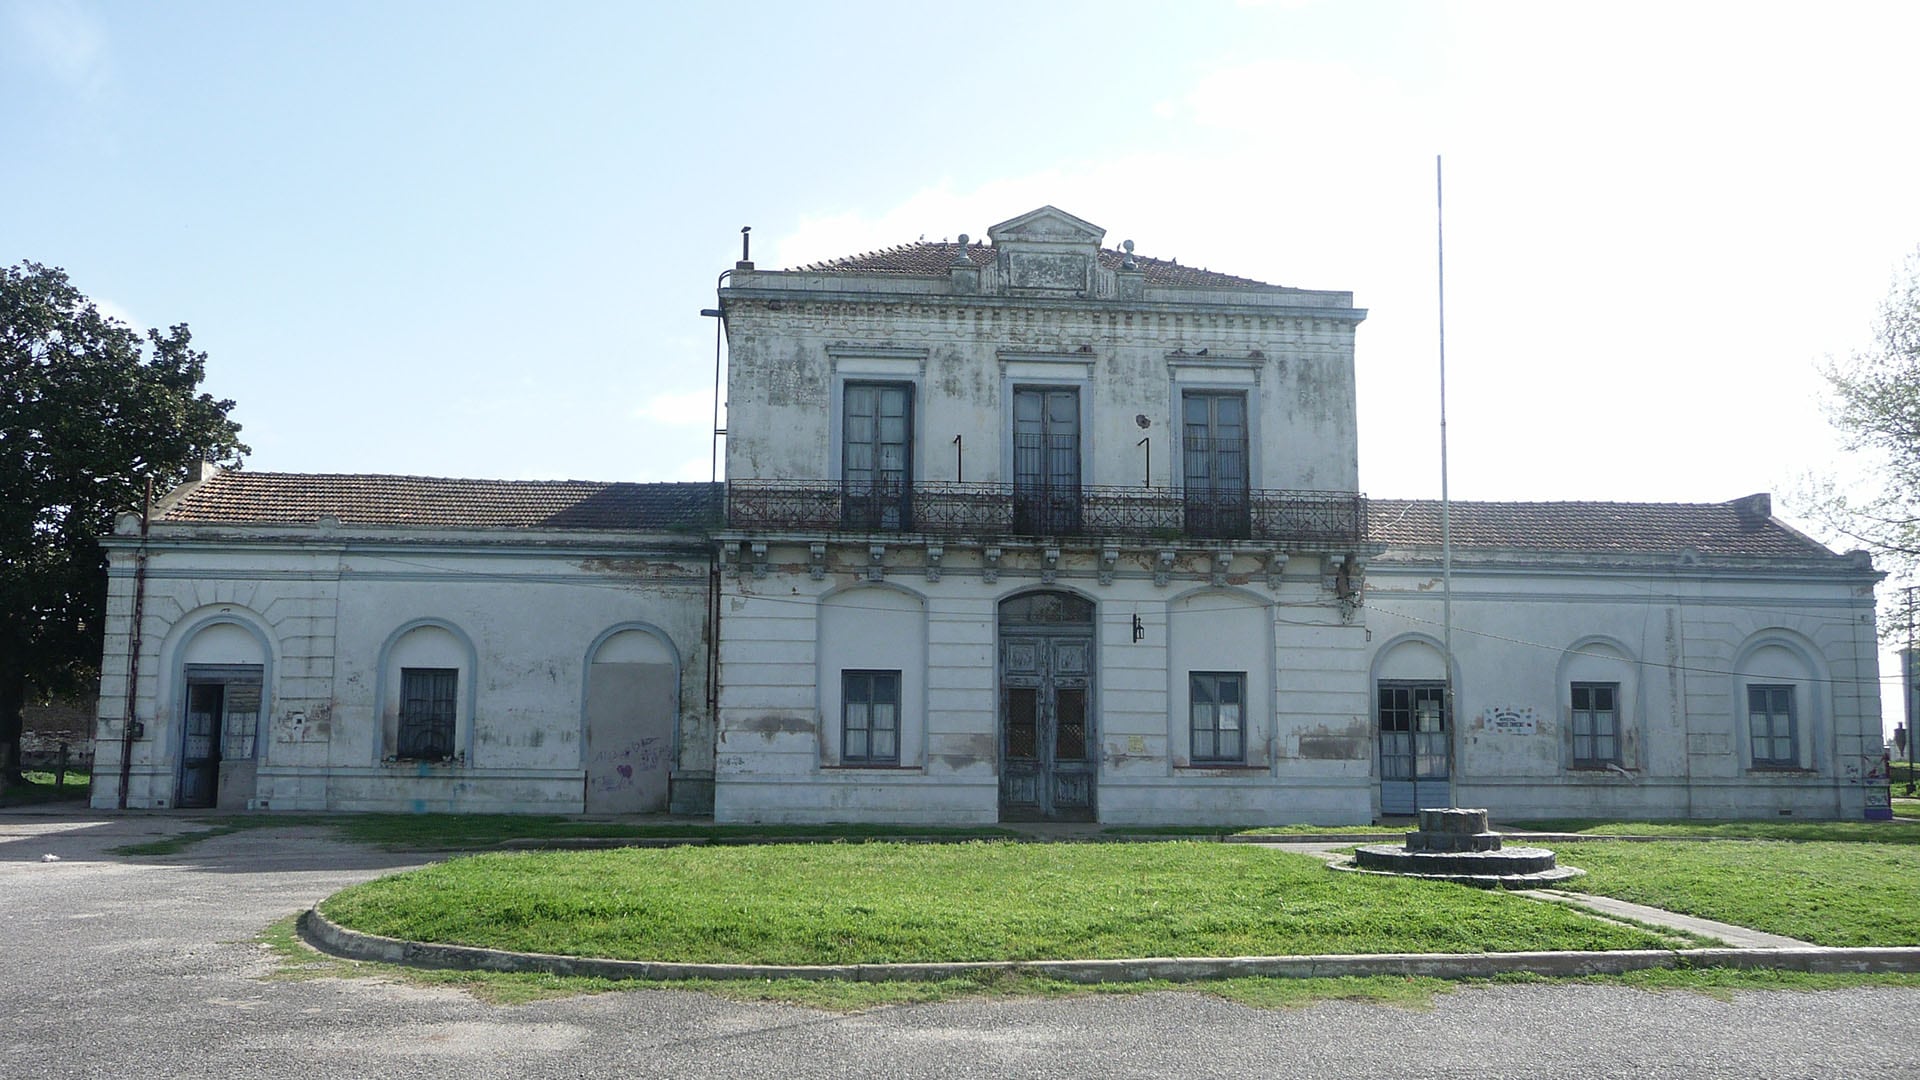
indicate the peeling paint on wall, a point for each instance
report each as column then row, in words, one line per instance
column 770, row 725
column 1352, row 743
column 966, row 751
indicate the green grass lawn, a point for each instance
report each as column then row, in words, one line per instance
column 886, row 902
column 1255, row 830
column 466, row 832
column 1879, row 832
column 39, row 788
column 461, row 832
column 1827, row 892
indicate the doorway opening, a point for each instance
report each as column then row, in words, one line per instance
column 1413, row 745
column 218, row 734
column 1049, row 745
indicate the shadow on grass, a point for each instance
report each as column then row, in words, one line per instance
column 41, row 788
column 1872, row 832
column 473, row 832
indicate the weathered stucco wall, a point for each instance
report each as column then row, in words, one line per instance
column 332, row 619
column 1682, row 646
column 531, row 622
column 780, row 716
column 964, row 340
column 789, row 358
column 1683, row 643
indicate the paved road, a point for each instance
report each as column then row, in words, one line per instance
column 119, row 967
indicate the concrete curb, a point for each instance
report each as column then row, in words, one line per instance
column 599, row 843
column 330, row 937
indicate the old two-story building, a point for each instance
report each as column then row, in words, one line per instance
column 1029, row 528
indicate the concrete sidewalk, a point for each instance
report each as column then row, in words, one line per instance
column 1738, row 937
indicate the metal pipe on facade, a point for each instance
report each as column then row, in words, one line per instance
column 1908, row 674
column 718, row 315
column 129, row 720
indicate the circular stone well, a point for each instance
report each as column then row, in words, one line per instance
column 1455, row 845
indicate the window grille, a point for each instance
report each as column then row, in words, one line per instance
column 427, row 708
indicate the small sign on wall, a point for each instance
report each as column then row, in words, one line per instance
column 1510, row 720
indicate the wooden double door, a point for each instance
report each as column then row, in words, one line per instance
column 1049, row 746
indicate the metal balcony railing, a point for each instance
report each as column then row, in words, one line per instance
column 989, row 511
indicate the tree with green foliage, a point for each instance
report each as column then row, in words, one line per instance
column 89, row 412
column 1876, row 406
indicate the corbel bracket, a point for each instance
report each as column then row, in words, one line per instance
column 1276, row 565
column 1222, row 562
column 1333, row 567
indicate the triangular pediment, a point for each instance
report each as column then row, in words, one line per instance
column 1047, row 225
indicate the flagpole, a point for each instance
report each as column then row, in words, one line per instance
column 1446, row 504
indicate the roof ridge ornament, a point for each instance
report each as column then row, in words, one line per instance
column 1126, row 261
column 960, row 257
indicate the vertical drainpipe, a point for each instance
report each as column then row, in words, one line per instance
column 713, row 641
column 128, row 721
column 718, row 315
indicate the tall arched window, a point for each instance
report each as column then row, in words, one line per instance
column 427, row 693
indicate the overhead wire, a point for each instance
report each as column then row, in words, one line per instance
column 811, row 600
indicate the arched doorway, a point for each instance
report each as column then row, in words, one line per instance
column 1410, row 703
column 633, row 702
column 1049, row 750
column 222, row 684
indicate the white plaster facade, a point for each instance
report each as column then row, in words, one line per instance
column 1117, row 355
column 1316, row 628
column 1023, row 529
column 325, row 619
column 1684, row 637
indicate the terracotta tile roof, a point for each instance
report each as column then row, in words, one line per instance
column 265, row 498
column 1743, row 527
column 928, row 258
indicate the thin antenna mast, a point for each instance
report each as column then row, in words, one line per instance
column 1907, row 669
column 1446, row 504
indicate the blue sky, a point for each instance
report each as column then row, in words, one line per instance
column 473, row 239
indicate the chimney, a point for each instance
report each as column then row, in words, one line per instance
column 1754, row 511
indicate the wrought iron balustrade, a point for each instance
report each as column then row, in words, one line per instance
column 987, row 511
